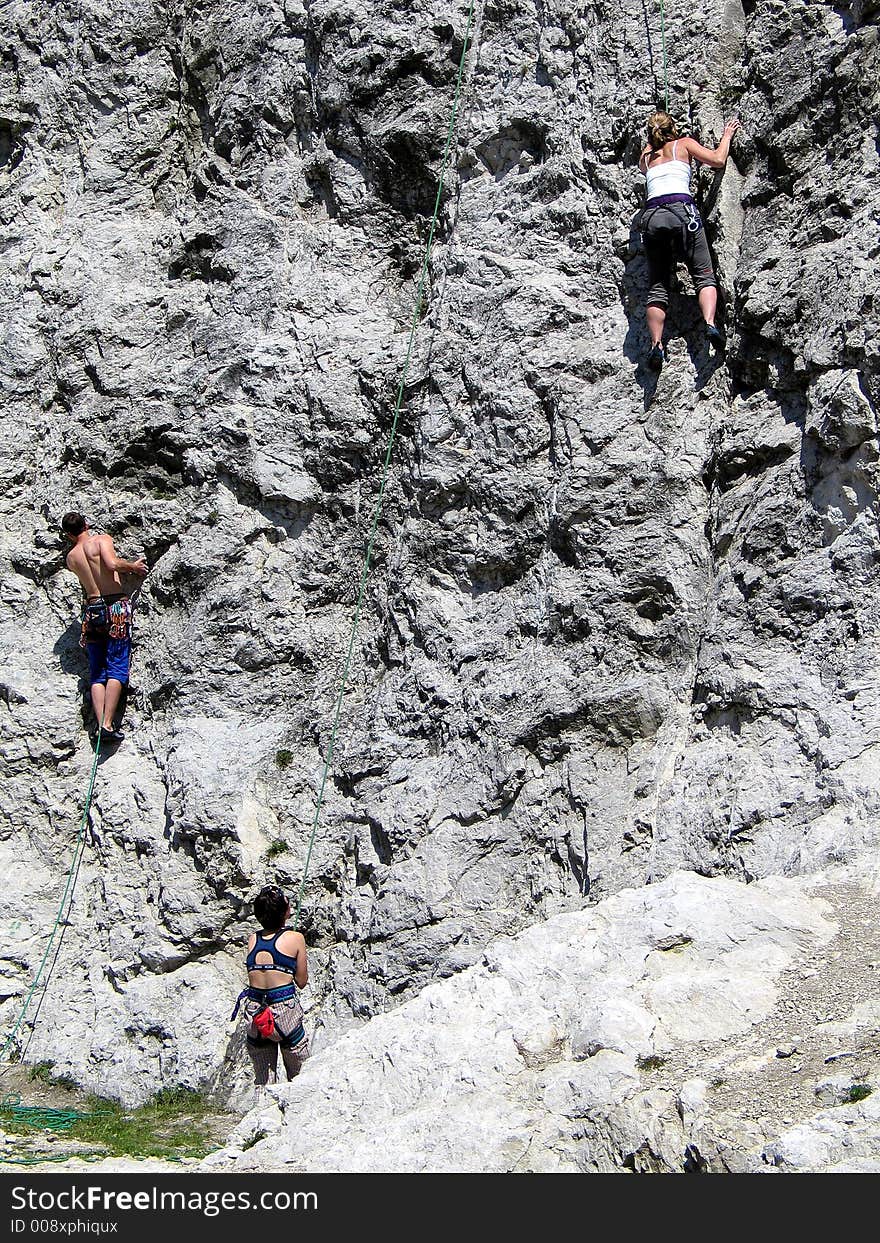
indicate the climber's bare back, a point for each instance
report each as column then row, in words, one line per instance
column 91, row 561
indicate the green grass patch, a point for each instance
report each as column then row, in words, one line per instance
column 41, row 1072
column 651, row 1062
column 254, row 1140
column 857, row 1092
column 168, row 1126
column 284, row 758
column 276, row 848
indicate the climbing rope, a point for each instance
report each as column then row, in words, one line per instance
column 663, row 42
column 377, row 509
column 42, row 1117
column 66, row 901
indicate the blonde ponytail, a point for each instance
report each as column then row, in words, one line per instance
column 661, row 130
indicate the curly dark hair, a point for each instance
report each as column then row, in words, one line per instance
column 270, row 907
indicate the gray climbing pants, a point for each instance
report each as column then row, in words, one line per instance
column 668, row 240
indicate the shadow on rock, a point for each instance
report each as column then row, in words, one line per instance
column 73, row 662
column 633, row 293
column 706, row 361
column 70, row 655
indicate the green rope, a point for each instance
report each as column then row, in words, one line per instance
column 377, row 510
column 663, row 38
column 78, row 848
column 44, row 1159
column 42, row 1117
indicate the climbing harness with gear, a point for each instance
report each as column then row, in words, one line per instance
column 262, row 1016
column 106, row 618
column 694, row 223
column 675, row 219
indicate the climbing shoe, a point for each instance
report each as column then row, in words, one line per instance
column 112, row 735
column 656, row 358
column 716, row 337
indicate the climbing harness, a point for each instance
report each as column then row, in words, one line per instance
column 692, row 224
column 64, row 907
column 263, row 1018
column 377, row 509
column 108, row 617
column 96, row 619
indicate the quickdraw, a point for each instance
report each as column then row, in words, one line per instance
column 694, row 223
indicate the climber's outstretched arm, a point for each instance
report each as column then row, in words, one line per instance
column 706, row 155
column 116, row 565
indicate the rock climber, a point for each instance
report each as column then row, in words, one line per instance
column 277, row 967
column 106, row 617
column 671, row 224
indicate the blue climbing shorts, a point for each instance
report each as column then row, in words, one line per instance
column 106, row 637
column 109, row 658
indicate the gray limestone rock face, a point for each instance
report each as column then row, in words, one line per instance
column 618, row 626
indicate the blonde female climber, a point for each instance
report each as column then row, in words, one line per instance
column 671, row 224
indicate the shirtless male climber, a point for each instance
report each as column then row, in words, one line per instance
column 106, row 620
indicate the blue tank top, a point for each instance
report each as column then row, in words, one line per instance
column 280, row 961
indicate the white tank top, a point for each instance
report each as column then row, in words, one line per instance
column 671, row 177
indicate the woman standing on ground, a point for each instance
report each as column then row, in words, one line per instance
column 671, row 225
column 277, row 968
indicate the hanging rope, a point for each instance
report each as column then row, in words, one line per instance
column 66, row 902
column 377, row 509
column 663, row 43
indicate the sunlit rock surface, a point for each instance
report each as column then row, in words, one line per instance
column 617, row 628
